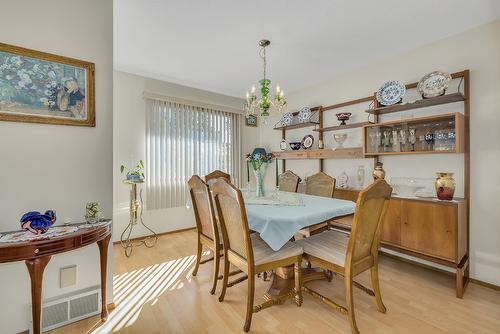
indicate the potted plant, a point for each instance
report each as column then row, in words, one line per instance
column 135, row 173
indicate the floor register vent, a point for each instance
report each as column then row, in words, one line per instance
column 68, row 308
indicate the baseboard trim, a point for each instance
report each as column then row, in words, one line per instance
column 161, row 234
column 426, row 266
column 485, row 284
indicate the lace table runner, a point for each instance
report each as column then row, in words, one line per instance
column 21, row 236
column 282, row 198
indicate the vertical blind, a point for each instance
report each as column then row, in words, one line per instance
column 183, row 140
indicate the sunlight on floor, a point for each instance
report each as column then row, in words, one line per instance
column 139, row 287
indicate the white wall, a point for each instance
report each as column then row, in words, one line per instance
column 478, row 50
column 129, row 145
column 54, row 166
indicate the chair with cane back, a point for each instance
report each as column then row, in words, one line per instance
column 249, row 252
column 351, row 255
column 208, row 231
column 319, row 184
column 213, row 176
column 289, row 181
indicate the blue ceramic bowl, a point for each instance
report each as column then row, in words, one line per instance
column 295, row 145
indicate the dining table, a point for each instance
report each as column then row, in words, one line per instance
column 279, row 216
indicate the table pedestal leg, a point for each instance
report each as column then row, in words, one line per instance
column 103, row 253
column 283, row 280
column 35, row 269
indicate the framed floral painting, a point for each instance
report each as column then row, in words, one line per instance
column 39, row 87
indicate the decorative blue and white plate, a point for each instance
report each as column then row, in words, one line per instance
column 434, row 84
column 304, row 114
column 286, row 119
column 391, row 92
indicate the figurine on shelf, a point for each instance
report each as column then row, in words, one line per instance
column 38, row 223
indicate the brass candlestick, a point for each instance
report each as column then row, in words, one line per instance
column 136, row 215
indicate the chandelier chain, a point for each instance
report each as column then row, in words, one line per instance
column 262, row 54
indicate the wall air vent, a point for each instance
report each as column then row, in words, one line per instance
column 62, row 310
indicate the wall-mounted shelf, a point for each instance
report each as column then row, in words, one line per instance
column 338, row 153
column 296, row 126
column 343, row 127
column 314, row 119
column 433, row 101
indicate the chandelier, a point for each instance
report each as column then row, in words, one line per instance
column 255, row 106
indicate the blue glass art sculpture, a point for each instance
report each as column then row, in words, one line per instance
column 38, row 223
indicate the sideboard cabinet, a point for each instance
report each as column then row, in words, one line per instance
column 425, row 228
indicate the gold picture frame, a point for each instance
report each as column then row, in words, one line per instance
column 40, row 87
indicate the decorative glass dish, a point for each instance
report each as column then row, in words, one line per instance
column 412, row 187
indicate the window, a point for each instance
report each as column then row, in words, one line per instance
column 183, row 139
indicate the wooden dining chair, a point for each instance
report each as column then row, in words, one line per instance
column 351, row 255
column 206, row 226
column 288, row 181
column 319, row 184
column 213, row 176
column 208, row 231
column 249, row 252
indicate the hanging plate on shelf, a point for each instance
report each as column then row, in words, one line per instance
column 286, row 119
column 304, row 114
column 434, row 84
column 391, row 92
column 307, row 141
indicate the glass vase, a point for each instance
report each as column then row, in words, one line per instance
column 259, row 180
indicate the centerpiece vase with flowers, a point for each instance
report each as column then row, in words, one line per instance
column 259, row 160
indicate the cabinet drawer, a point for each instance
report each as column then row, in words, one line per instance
column 429, row 228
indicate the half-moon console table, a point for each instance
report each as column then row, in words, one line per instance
column 37, row 254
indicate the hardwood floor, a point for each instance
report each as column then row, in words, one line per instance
column 155, row 293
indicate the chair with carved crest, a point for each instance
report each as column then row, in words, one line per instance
column 289, row 181
column 249, row 252
column 349, row 256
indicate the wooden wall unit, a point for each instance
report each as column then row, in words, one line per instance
column 437, row 231
column 321, row 154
